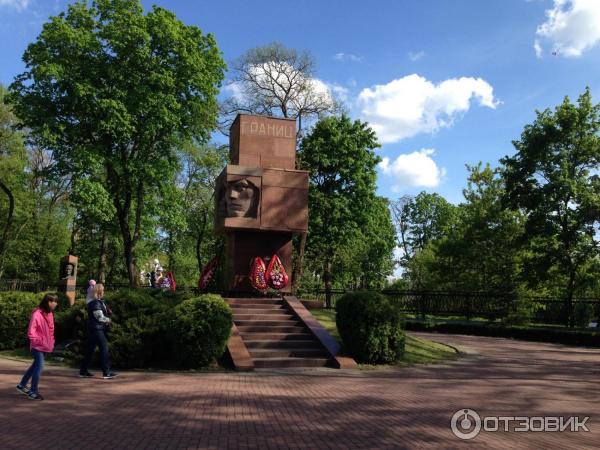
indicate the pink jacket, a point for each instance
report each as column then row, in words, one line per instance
column 41, row 331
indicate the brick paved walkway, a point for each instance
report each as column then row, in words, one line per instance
column 393, row 408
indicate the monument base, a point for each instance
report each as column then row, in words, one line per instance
column 243, row 246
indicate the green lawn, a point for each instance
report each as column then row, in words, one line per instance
column 417, row 351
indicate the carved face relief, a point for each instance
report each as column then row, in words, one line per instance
column 68, row 271
column 241, row 198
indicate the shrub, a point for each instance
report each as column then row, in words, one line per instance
column 69, row 323
column 200, row 329
column 151, row 328
column 136, row 334
column 15, row 312
column 538, row 334
column 370, row 326
column 583, row 313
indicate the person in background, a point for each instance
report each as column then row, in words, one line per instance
column 90, row 291
column 159, row 277
column 154, row 273
column 41, row 341
column 98, row 322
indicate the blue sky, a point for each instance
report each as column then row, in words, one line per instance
column 444, row 83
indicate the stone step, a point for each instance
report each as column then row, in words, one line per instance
column 262, row 317
column 288, row 353
column 275, row 337
column 271, row 329
column 259, row 306
column 244, row 310
column 289, row 362
column 254, row 301
column 266, row 323
column 297, row 343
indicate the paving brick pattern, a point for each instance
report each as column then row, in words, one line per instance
column 312, row 409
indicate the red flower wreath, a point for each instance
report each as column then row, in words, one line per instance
column 208, row 273
column 258, row 279
column 276, row 275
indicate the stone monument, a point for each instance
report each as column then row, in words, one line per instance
column 68, row 277
column 261, row 199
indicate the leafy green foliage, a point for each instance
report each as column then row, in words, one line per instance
column 15, row 313
column 552, row 178
column 537, row 334
column 340, row 156
column 420, row 220
column 111, row 91
column 371, row 327
column 152, row 328
column 202, row 327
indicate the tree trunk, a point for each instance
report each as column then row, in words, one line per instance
column 199, row 239
column 299, row 267
column 74, row 239
column 570, row 319
column 9, row 219
column 103, row 257
column 171, row 253
column 328, row 285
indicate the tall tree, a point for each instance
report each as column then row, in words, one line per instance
column 482, row 251
column 277, row 81
column 553, row 178
column 340, row 156
column 12, row 164
column 107, row 85
column 420, row 220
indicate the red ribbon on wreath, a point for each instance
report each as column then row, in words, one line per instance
column 208, row 273
column 258, row 278
column 276, row 275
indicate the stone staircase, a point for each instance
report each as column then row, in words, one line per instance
column 273, row 335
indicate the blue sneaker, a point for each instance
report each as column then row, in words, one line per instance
column 23, row 389
column 34, row 396
column 110, row 375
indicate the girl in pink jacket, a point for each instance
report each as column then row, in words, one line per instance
column 41, row 341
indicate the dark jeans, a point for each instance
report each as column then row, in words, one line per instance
column 96, row 338
column 34, row 371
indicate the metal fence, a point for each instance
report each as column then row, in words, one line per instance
column 456, row 304
column 483, row 305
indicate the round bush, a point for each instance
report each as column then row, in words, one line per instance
column 371, row 327
column 15, row 312
column 200, row 330
column 69, row 323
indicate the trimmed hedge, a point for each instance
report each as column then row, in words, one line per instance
column 151, row 328
column 371, row 327
column 556, row 336
column 15, row 312
column 201, row 329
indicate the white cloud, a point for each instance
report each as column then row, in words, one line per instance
column 416, row 56
column 339, row 91
column 235, row 90
column 411, row 105
column 538, row 48
column 571, row 27
column 343, row 57
column 413, row 170
column 19, row 5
